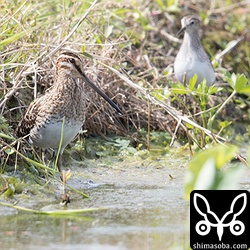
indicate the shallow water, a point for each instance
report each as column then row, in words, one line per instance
column 145, row 209
column 144, row 206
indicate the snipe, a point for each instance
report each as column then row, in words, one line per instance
column 64, row 105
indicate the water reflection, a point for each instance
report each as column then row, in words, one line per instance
column 98, row 231
column 151, row 219
column 145, row 210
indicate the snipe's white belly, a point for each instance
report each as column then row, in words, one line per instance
column 49, row 136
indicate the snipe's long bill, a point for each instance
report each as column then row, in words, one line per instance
column 94, row 87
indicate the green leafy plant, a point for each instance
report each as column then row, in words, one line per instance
column 210, row 169
column 200, row 95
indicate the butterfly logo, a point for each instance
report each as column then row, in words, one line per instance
column 203, row 227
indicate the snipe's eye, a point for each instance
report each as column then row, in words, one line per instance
column 72, row 60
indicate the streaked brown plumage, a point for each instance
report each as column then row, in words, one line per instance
column 64, row 101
